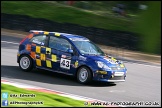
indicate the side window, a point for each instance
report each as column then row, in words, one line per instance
column 39, row 39
column 59, row 44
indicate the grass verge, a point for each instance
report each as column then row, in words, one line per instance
column 62, row 14
column 49, row 100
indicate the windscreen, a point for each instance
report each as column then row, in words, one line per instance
column 87, row 47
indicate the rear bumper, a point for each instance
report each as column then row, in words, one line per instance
column 18, row 55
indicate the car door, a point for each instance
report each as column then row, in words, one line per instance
column 64, row 59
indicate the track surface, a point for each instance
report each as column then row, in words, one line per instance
column 143, row 82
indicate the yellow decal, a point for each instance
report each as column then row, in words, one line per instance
column 38, row 49
column 112, row 76
column 54, row 58
column 76, row 64
column 46, row 33
column 101, row 72
column 48, row 49
column 113, row 59
column 18, row 54
column 121, row 65
column 48, row 63
column 38, row 62
column 43, row 57
column 57, row 34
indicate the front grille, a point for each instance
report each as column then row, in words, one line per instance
column 117, row 78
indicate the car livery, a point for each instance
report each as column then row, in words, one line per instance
column 68, row 54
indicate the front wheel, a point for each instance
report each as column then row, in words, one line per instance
column 84, row 75
column 25, row 63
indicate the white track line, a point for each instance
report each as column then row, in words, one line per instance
column 10, row 42
column 145, row 64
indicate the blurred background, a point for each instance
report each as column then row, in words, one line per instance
column 127, row 30
column 133, row 26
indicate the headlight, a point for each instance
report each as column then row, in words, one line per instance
column 102, row 65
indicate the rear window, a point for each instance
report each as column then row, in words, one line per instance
column 39, row 39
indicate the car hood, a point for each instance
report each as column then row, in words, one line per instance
column 108, row 60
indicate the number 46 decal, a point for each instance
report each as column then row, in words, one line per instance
column 65, row 63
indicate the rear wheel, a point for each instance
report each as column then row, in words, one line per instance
column 25, row 63
column 84, row 75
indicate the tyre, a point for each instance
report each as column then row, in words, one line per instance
column 25, row 63
column 84, row 75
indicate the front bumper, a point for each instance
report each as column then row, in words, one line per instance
column 18, row 55
column 111, row 76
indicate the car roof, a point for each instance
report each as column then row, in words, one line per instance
column 66, row 35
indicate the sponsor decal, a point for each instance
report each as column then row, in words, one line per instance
column 38, row 42
column 76, row 64
column 121, row 65
column 79, row 39
column 119, row 74
column 63, row 56
column 82, row 58
column 111, row 59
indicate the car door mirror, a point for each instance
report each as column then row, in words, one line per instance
column 70, row 51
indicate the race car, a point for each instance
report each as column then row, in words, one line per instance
column 68, row 54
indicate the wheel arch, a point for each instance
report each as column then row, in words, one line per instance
column 26, row 55
column 84, row 66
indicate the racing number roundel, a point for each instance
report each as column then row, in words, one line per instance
column 65, row 63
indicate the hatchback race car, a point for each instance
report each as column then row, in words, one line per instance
column 68, row 54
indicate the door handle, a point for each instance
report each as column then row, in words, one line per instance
column 48, row 52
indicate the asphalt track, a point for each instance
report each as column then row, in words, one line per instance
column 143, row 82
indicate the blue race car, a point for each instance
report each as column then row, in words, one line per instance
column 69, row 54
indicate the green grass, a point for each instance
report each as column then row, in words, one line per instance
column 147, row 27
column 49, row 100
column 62, row 14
